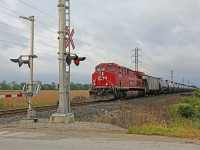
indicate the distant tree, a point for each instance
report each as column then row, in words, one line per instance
column 19, row 86
column 16, row 87
column 5, row 86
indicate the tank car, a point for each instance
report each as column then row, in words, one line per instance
column 164, row 87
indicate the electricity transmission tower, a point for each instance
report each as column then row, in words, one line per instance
column 135, row 57
column 172, row 75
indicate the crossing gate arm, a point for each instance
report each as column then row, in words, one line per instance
column 11, row 95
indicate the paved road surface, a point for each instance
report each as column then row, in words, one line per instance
column 12, row 140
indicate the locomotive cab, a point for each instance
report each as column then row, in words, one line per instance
column 104, row 75
column 103, row 81
column 111, row 81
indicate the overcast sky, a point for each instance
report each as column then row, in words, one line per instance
column 167, row 31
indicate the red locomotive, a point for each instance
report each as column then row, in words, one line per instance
column 112, row 81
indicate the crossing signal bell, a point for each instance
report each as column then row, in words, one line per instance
column 76, row 59
column 20, row 61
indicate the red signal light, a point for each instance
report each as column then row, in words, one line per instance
column 76, row 62
column 76, row 59
column 68, row 61
column 69, row 58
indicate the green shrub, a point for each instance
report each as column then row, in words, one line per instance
column 185, row 110
column 189, row 100
column 182, row 110
column 197, row 111
column 197, row 93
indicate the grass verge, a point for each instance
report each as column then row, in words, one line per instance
column 180, row 132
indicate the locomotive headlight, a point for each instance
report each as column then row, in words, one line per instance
column 94, row 84
column 106, row 83
column 102, row 73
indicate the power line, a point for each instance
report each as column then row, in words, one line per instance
column 25, row 46
column 91, row 45
column 38, row 10
column 26, row 21
column 50, row 30
column 22, row 15
column 53, row 28
column 57, row 19
column 8, row 14
column 11, row 10
column 93, row 35
column 13, row 43
column 26, row 31
column 28, row 39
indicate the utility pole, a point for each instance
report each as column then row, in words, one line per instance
column 63, row 114
column 31, row 112
column 172, row 75
column 183, row 80
column 136, row 57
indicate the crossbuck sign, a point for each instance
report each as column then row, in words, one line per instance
column 69, row 39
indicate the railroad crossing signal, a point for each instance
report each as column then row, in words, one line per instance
column 69, row 39
column 76, row 59
column 20, row 61
column 69, row 58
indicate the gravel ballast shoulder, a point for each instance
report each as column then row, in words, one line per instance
column 44, row 124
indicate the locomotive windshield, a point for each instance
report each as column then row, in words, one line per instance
column 100, row 69
column 110, row 68
column 106, row 67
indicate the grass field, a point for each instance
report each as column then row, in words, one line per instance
column 46, row 97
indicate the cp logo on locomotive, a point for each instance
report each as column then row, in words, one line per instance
column 102, row 78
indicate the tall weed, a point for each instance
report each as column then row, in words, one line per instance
column 2, row 105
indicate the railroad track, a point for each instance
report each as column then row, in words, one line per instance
column 23, row 111
column 73, row 105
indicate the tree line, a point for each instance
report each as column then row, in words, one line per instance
column 4, row 85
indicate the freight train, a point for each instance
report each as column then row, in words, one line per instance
column 112, row 81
